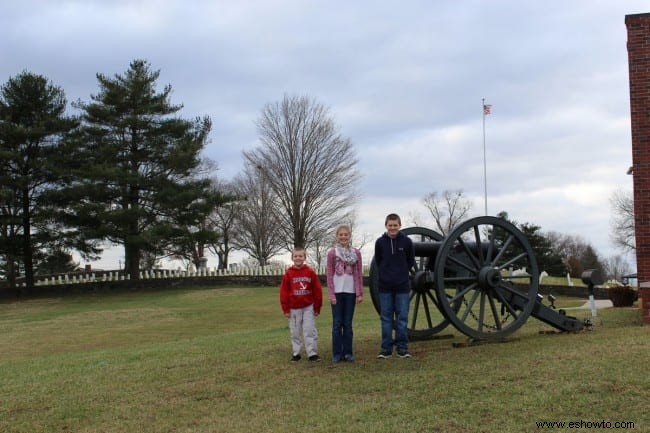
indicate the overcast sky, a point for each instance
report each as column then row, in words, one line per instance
column 404, row 80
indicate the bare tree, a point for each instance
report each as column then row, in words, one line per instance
column 224, row 219
column 577, row 254
column 318, row 250
column 622, row 224
column 616, row 267
column 309, row 166
column 569, row 247
column 448, row 209
column 359, row 240
column 257, row 217
column 416, row 219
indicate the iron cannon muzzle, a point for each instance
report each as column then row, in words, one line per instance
column 592, row 277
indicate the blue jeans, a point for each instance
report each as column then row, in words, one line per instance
column 342, row 313
column 394, row 308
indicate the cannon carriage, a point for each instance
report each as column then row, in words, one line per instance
column 482, row 279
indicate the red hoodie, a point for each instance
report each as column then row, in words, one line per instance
column 300, row 288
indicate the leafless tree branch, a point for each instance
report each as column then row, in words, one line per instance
column 309, row 166
column 448, row 209
column 622, row 223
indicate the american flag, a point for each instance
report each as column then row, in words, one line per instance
column 486, row 109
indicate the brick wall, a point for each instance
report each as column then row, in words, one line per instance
column 638, row 48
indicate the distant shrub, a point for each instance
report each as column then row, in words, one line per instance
column 622, row 296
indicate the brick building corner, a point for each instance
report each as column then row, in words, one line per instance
column 638, row 51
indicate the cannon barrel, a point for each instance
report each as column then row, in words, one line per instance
column 426, row 249
column 430, row 249
column 482, row 278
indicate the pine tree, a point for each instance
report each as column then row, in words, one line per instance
column 137, row 164
column 32, row 127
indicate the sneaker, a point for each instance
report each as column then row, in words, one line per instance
column 295, row 358
column 336, row 359
column 384, row 355
column 314, row 358
column 403, row 354
column 349, row 358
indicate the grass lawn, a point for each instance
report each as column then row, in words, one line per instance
column 217, row 360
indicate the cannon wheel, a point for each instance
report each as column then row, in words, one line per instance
column 425, row 316
column 495, row 285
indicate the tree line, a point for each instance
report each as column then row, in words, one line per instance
column 556, row 253
column 127, row 170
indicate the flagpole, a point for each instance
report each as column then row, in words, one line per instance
column 483, row 108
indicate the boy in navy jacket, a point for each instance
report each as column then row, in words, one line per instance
column 394, row 257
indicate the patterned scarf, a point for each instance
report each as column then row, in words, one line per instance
column 347, row 254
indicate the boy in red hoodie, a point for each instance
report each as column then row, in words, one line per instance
column 301, row 297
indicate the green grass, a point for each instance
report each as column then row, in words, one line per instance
column 217, row 360
column 561, row 281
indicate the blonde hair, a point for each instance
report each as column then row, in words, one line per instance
column 341, row 227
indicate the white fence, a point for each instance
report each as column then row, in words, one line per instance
column 104, row 276
column 89, row 277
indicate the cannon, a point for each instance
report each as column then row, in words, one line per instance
column 482, row 279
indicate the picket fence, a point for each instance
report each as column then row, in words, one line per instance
column 107, row 276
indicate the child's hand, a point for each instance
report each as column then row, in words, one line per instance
column 287, row 315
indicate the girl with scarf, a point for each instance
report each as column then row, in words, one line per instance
column 345, row 287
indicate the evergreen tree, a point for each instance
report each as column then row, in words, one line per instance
column 57, row 262
column 590, row 260
column 547, row 258
column 137, row 164
column 190, row 230
column 32, row 127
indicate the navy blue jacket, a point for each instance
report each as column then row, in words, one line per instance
column 394, row 259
